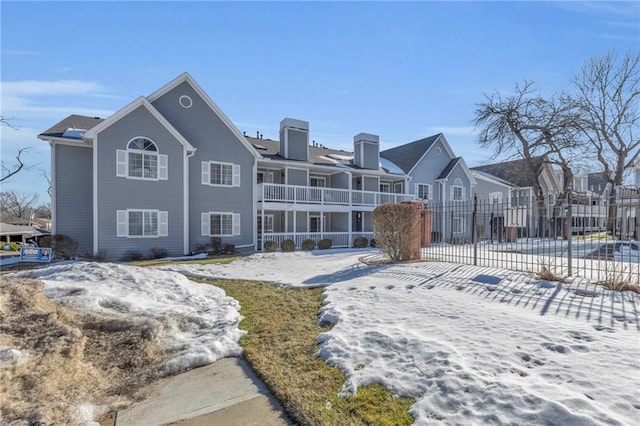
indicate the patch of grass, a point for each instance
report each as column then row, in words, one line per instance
column 207, row 261
column 281, row 347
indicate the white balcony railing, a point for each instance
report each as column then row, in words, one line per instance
column 272, row 192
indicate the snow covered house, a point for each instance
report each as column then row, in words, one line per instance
column 170, row 170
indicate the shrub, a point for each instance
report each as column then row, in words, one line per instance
column 158, row 253
column 12, row 246
column 325, row 243
column 360, row 242
column 64, row 247
column 216, row 245
column 201, row 248
column 308, row 245
column 288, row 245
column 101, row 256
column 396, row 227
column 45, row 241
column 270, row 246
column 229, row 248
column 373, row 243
column 132, row 256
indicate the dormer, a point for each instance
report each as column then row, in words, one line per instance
column 294, row 139
column 366, row 148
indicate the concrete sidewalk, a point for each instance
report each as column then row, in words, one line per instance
column 226, row 392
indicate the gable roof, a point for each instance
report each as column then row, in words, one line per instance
column 489, row 177
column 140, row 102
column 74, row 121
column 449, row 168
column 186, row 77
column 408, row 155
column 515, row 171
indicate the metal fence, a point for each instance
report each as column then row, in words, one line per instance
column 584, row 236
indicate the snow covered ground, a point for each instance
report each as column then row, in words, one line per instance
column 198, row 323
column 473, row 345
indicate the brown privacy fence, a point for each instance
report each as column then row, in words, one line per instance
column 580, row 236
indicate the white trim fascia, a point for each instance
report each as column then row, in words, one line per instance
column 66, row 141
column 53, row 187
column 186, row 77
column 95, row 196
column 446, row 147
column 490, row 180
column 140, row 102
column 467, row 171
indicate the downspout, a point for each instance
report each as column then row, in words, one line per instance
column 53, row 187
column 185, row 200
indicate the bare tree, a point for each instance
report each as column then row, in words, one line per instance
column 528, row 126
column 9, row 171
column 609, row 101
column 395, row 230
column 17, row 205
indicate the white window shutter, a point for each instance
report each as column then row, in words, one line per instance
column 163, row 224
column 205, row 173
column 163, row 162
column 121, row 163
column 205, row 219
column 236, row 224
column 122, row 223
column 451, row 193
column 415, row 190
column 236, row 175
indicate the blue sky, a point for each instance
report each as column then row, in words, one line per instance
column 401, row 70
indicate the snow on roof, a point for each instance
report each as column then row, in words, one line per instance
column 390, row 167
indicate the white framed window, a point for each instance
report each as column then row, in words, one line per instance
column 423, row 190
column 458, row 225
column 316, row 224
column 397, row 188
column 268, row 223
column 495, row 197
column 220, row 224
column 385, row 187
column 141, row 160
column 318, row 181
column 142, row 223
column 457, row 190
column 215, row 173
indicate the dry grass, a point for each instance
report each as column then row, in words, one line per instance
column 56, row 361
column 210, row 260
column 619, row 280
column 281, row 347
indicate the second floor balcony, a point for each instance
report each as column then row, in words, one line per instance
column 277, row 193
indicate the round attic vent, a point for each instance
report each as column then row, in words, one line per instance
column 438, row 150
column 185, row 101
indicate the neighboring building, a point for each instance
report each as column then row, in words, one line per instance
column 440, row 178
column 495, row 211
column 20, row 233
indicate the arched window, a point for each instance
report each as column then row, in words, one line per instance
column 457, row 190
column 141, row 160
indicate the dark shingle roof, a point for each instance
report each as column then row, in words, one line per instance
column 406, row 156
column 518, row 172
column 597, row 182
column 445, row 173
column 495, row 178
column 73, row 121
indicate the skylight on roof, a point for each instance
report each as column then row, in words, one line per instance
column 73, row 133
